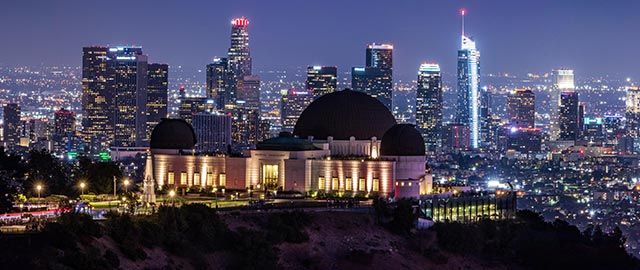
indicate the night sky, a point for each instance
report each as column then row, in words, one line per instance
column 593, row 37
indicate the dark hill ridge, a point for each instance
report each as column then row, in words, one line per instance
column 195, row 237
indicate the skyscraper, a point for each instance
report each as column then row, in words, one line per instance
column 213, row 132
column 114, row 95
column 239, row 56
column 130, row 86
column 568, row 118
column 632, row 112
column 190, row 106
column 97, row 95
column 468, row 110
column 429, row 105
column 64, row 129
column 563, row 82
column 521, row 108
column 249, row 91
column 157, row 92
column 292, row 103
column 376, row 78
column 321, row 80
column 12, row 125
column 219, row 82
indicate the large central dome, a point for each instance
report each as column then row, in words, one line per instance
column 343, row 114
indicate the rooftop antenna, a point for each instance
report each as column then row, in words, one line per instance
column 462, row 12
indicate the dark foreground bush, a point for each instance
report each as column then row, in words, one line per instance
column 528, row 241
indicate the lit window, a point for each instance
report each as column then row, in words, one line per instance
column 376, row 185
column 223, row 179
column 335, row 183
column 349, row 184
column 321, row 183
column 362, row 186
column 409, row 183
column 209, row 179
column 171, row 178
column 183, row 178
column 196, row 178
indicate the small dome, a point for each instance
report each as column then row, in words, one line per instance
column 173, row 134
column 343, row 114
column 402, row 140
column 286, row 142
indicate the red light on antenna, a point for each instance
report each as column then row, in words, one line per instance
column 242, row 21
column 462, row 11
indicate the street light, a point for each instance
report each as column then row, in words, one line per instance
column 38, row 189
column 82, row 186
column 172, row 193
column 126, row 185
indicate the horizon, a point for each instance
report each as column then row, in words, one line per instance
column 278, row 44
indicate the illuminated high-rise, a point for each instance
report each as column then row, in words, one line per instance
column 249, row 91
column 219, row 82
column 120, row 92
column 568, row 116
column 521, row 108
column 11, row 125
column 292, row 103
column 376, row 77
column 129, row 67
column 468, row 109
column 632, row 112
column 429, row 105
column 321, row 80
column 239, row 56
column 563, row 82
column 157, row 92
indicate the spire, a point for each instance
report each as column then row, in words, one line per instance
column 462, row 12
column 148, row 189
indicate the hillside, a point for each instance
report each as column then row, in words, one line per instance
column 195, row 237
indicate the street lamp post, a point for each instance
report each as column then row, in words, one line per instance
column 126, row 185
column 82, row 186
column 39, row 189
column 172, row 194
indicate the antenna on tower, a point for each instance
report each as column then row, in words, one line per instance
column 462, row 12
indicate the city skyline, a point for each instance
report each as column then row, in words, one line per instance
column 561, row 38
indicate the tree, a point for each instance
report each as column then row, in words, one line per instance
column 45, row 169
column 98, row 175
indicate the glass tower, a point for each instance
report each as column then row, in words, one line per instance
column 321, row 80
column 429, row 105
column 468, row 110
column 376, row 78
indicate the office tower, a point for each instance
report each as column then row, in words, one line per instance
column 190, row 106
column 239, row 57
column 632, row 112
column 249, row 91
column 524, row 139
column 64, row 130
column 11, row 130
column 245, row 126
column 582, row 107
column 614, row 127
column 568, row 118
column 157, row 95
column 292, row 104
column 376, row 78
column 429, row 105
column 97, row 95
column 468, row 109
column 521, row 108
column 114, row 95
column 321, row 80
column 213, row 132
column 563, row 82
column 218, row 82
column 593, row 129
column 456, row 136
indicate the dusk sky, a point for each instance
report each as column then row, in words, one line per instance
column 592, row 37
